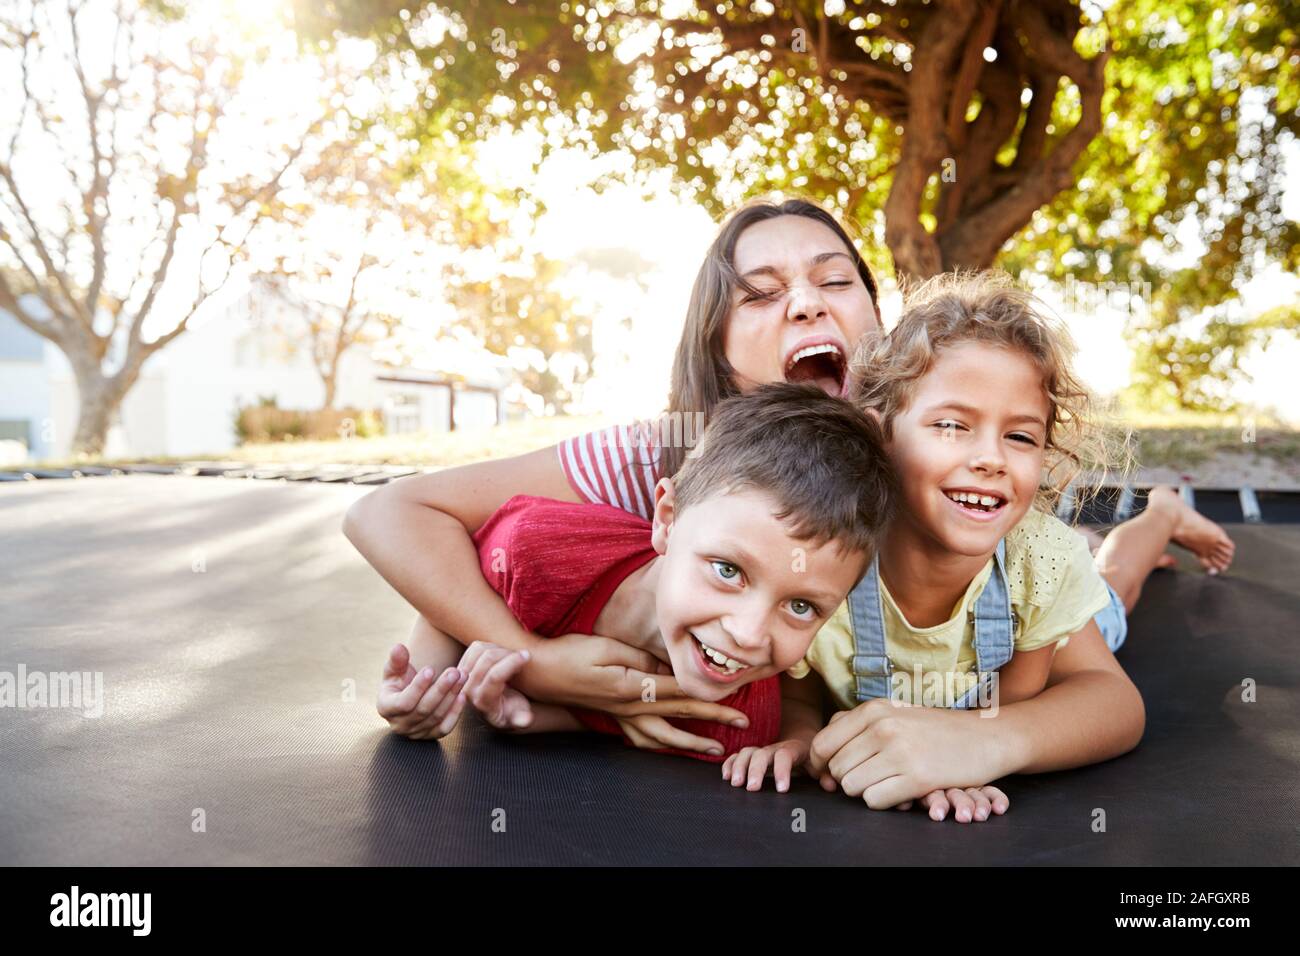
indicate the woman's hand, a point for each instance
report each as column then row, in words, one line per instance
column 888, row 754
column 600, row 673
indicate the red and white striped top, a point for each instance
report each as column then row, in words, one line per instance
column 616, row 466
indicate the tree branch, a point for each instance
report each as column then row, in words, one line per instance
column 924, row 144
column 977, row 237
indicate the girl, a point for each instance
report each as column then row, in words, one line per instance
column 776, row 276
column 986, row 425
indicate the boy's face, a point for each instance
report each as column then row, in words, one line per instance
column 977, row 422
column 735, row 583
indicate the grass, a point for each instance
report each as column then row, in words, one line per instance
column 1174, row 439
column 437, row 449
column 1159, row 439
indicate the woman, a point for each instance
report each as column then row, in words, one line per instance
column 782, row 295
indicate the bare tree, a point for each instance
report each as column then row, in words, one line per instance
column 109, row 167
column 347, row 253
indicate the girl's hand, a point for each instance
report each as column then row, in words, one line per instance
column 653, row 733
column 414, row 703
column 888, row 754
column 750, row 765
column 599, row 673
column 974, row 803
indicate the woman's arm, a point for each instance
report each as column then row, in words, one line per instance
column 416, row 533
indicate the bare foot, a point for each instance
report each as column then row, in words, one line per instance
column 1193, row 531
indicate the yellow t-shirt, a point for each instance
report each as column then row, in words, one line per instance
column 1055, row 590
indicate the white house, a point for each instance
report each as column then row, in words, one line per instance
column 185, row 400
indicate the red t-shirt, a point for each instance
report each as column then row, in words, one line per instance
column 557, row 564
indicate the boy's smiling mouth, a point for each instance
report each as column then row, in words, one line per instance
column 716, row 664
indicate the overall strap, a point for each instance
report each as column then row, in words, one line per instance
column 871, row 667
column 995, row 626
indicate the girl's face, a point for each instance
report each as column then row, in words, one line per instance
column 813, row 311
column 975, row 428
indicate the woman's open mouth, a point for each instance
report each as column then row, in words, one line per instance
column 716, row 665
column 976, row 506
column 822, row 364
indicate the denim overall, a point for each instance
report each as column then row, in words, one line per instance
column 994, row 634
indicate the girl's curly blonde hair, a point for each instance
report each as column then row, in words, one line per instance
column 988, row 307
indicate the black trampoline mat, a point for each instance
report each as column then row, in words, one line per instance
column 225, row 691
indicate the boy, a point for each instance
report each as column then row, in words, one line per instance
column 754, row 543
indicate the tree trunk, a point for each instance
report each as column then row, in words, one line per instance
column 94, row 415
column 99, row 396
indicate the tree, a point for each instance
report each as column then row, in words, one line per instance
column 956, row 131
column 344, row 251
column 114, row 163
column 522, row 314
column 909, row 108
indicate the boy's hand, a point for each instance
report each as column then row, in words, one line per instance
column 489, row 668
column 652, row 733
column 414, row 703
column 973, row 803
column 750, row 765
column 889, row 754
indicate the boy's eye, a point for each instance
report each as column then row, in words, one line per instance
column 726, row 570
column 803, row 608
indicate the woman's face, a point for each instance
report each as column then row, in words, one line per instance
column 813, row 311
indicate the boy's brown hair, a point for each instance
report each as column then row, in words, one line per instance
column 821, row 458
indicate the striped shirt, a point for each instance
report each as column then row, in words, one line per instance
column 616, row 466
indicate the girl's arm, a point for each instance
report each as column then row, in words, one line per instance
column 1091, row 711
column 416, row 532
column 803, row 705
column 887, row 754
column 1025, row 675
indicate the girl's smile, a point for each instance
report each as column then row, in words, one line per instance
column 969, row 447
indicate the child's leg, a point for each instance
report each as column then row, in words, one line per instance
column 1135, row 548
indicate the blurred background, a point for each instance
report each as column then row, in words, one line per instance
column 405, row 232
